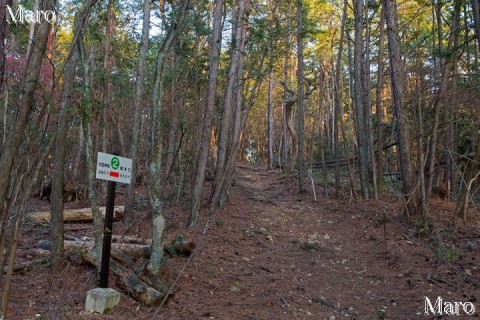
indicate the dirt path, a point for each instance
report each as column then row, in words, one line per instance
column 273, row 254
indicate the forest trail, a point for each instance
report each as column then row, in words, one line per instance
column 271, row 253
column 274, row 254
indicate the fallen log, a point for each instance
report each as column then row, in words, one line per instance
column 27, row 265
column 135, row 250
column 129, row 281
column 127, row 239
column 76, row 215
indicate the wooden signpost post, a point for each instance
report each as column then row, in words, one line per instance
column 113, row 169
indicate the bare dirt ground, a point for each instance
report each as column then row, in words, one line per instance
column 271, row 253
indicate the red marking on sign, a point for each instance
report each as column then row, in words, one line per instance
column 114, row 174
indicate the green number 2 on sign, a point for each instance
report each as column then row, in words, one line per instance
column 115, row 162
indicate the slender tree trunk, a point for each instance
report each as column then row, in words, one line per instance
column 107, row 65
column 88, row 120
column 177, row 94
column 270, row 122
column 26, row 100
column 301, row 113
column 56, row 223
column 137, row 112
column 421, row 166
column 155, row 176
column 378, row 103
column 476, row 18
column 231, row 117
column 398, row 93
column 371, row 165
column 359, row 98
column 3, row 32
column 194, row 216
column 321, row 129
column 285, row 113
column 56, row 231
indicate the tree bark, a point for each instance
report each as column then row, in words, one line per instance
column 57, row 195
column 321, row 129
column 301, row 112
column 476, row 18
column 378, row 103
column 398, row 94
column 155, row 179
column 137, row 112
column 56, row 222
column 359, row 98
column 88, row 116
column 29, row 84
column 231, row 117
column 3, row 32
column 270, row 122
column 194, row 216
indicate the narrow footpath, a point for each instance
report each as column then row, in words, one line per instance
column 271, row 253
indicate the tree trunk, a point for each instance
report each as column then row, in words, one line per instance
column 107, row 65
column 338, row 116
column 378, row 103
column 301, row 113
column 321, row 129
column 286, row 113
column 231, row 117
column 26, row 100
column 398, row 94
column 270, row 122
column 371, row 166
column 359, row 98
column 56, row 222
column 137, row 112
column 476, row 18
column 194, row 216
column 3, row 32
column 155, row 177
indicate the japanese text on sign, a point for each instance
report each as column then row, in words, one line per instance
column 113, row 168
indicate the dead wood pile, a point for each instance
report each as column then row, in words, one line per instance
column 129, row 258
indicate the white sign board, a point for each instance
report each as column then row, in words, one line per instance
column 114, row 168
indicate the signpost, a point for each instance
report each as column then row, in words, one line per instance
column 113, row 169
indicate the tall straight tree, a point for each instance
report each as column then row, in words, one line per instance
column 378, row 104
column 29, row 82
column 231, row 115
column 137, row 111
column 107, row 66
column 155, row 177
column 56, row 231
column 270, row 121
column 359, row 97
column 398, row 94
column 301, row 113
column 216, row 44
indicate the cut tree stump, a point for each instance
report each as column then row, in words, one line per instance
column 76, row 215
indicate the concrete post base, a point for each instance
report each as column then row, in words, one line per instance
column 101, row 300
